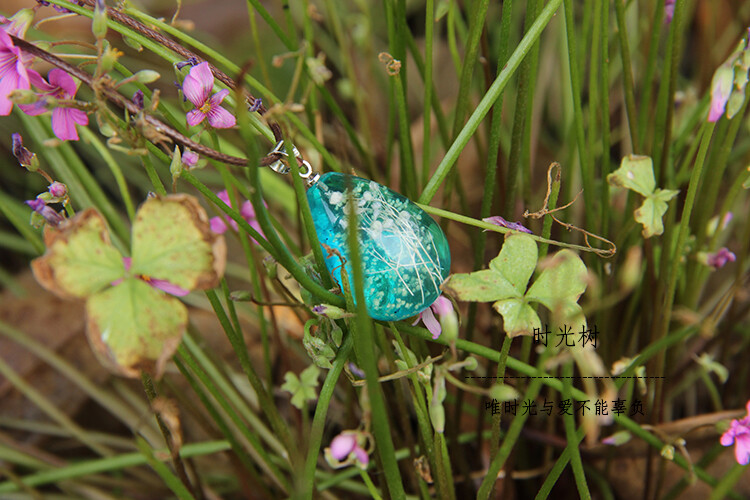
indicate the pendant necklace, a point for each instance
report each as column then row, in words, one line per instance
column 405, row 255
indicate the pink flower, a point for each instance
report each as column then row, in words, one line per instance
column 739, row 434
column 58, row 189
column 163, row 285
column 61, row 86
column 219, row 224
column 499, row 221
column 189, row 158
column 720, row 258
column 344, row 445
column 13, row 72
column 442, row 307
column 197, row 87
column 721, row 89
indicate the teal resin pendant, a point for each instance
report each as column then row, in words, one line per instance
column 405, row 256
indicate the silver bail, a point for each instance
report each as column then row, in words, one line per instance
column 283, row 168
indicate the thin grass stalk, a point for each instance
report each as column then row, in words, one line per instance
column 219, row 420
column 305, row 483
column 88, row 136
column 419, row 400
column 12, row 211
column 604, row 116
column 644, row 123
column 661, row 322
column 488, row 100
column 363, row 338
column 627, row 73
column 442, row 122
column 499, row 379
column 179, row 466
column 256, row 449
column 674, row 55
column 569, row 421
column 587, row 174
column 153, row 175
column 170, row 480
column 115, row 463
column 519, row 120
column 49, row 409
column 554, row 473
column 490, row 180
column 268, row 18
column 264, row 399
column 476, row 27
column 526, row 144
column 427, row 79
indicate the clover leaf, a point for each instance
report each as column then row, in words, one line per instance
column 132, row 324
column 303, row 389
column 637, row 174
column 558, row 287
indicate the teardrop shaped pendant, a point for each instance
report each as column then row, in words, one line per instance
column 405, row 255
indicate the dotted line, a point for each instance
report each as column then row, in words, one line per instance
column 568, row 377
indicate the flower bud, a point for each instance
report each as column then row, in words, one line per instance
column 330, row 311
column 26, row 158
column 23, row 96
column 99, row 22
column 58, row 189
column 49, row 214
column 617, row 439
column 189, row 158
column 147, row 76
column 138, row 99
column 503, row 392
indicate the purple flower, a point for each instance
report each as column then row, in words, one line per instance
column 58, row 189
column 219, row 223
column 189, row 158
column 163, row 285
column 191, row 61
column 138, row 99
column 344, row 445
column 720, row 258
column 25, row 157
column 40, row 206
column 739, row 434
column 668, row 10
column 442, row 307
column 499, row 221
column 61, row 86
column 197, row 88
column 13, row 72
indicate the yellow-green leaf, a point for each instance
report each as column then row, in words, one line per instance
column 80, row 260
column 134, row 327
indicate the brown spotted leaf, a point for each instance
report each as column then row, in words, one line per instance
column 172, row 241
